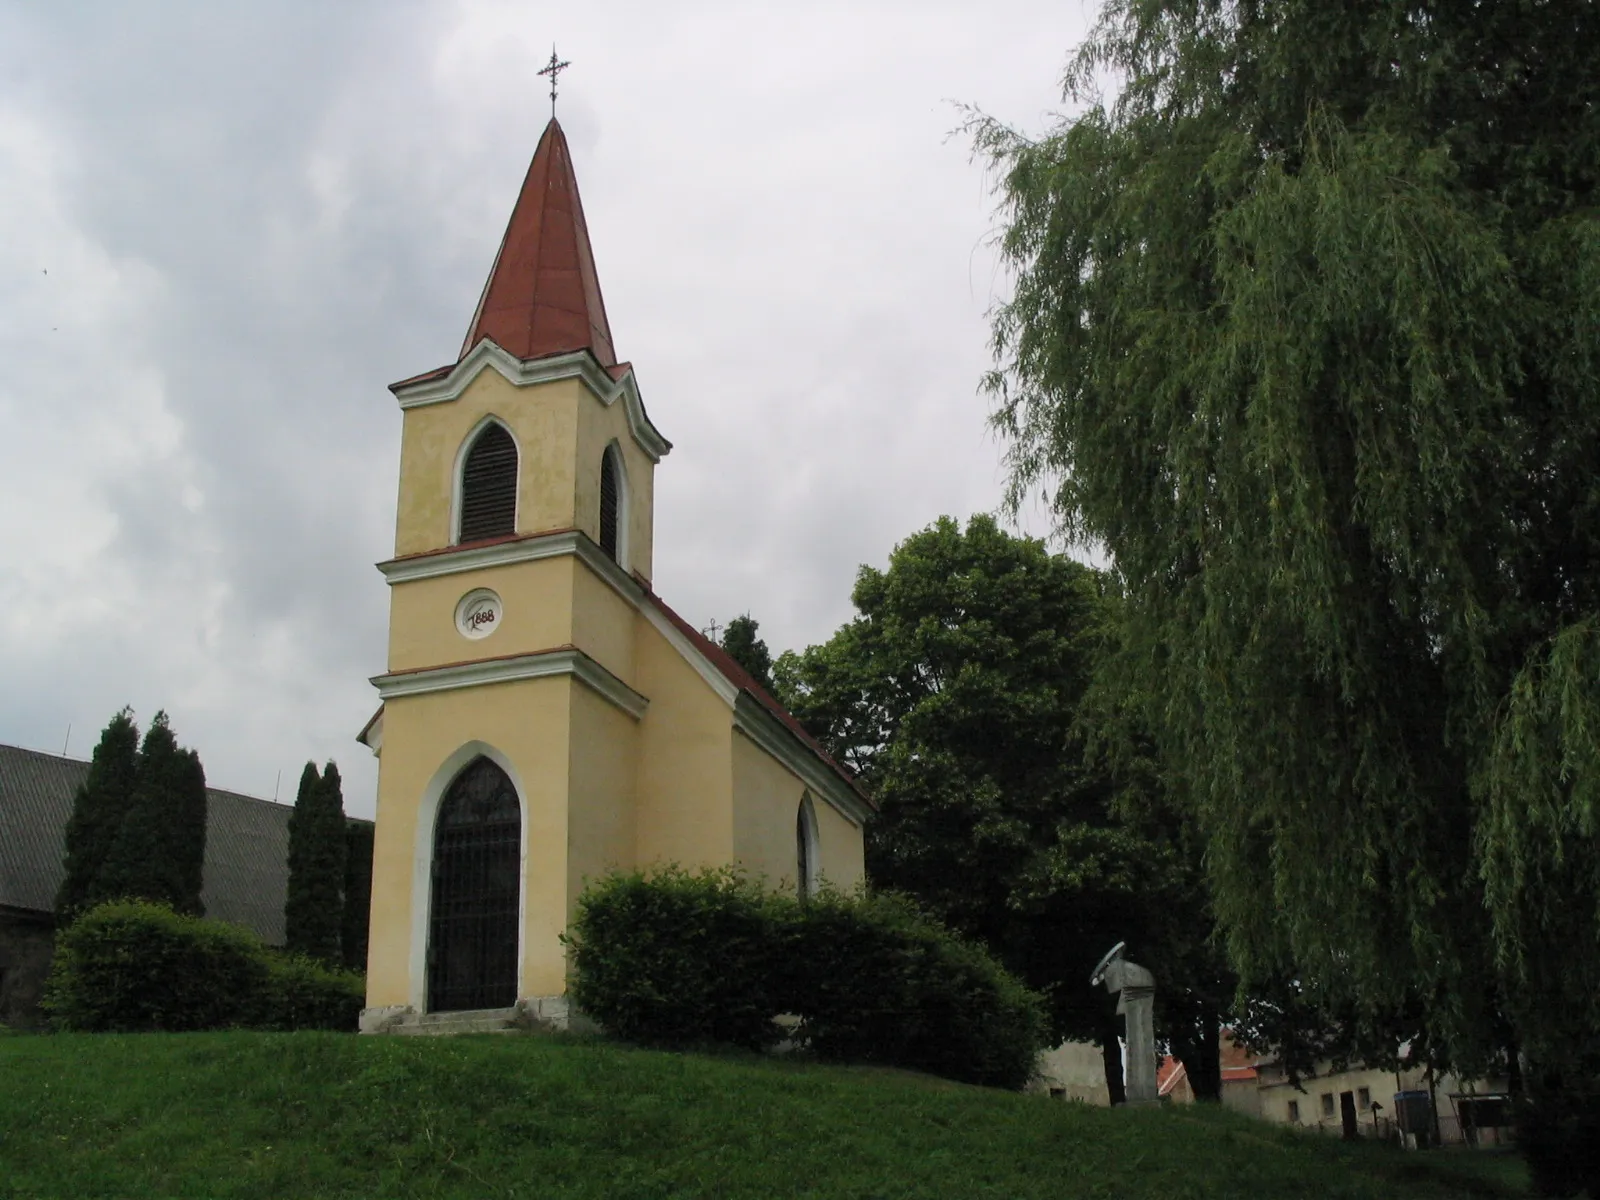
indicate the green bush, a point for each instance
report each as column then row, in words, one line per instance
column 875, row 980
column 679, row 959
column 131, row 966
column 305, row 994
column 134, row 966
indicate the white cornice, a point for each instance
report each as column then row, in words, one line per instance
column 505, row 670
column 472, row 558
column 755, row 721
column 749, row 714
column 372, row 736
column 580, row 366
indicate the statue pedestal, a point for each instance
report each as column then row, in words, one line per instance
column 1136, row 993
column 1139, row 1079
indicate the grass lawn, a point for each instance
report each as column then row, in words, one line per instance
column 285, row 1115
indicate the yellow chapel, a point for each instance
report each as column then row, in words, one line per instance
column 545, row 716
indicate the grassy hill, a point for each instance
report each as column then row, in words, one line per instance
column 283, row 1115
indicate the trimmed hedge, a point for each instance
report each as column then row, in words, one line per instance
column 679, row 959
column 133, row 966
column 875, row 980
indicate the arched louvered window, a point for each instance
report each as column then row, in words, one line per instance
column 489, row 486
column 610, row 503
column 805, row 848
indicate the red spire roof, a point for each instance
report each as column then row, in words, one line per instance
column 543, row 296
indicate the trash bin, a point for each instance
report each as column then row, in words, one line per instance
column 1414, row 1113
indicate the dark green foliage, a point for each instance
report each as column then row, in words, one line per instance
column 357, row 894
column 97, row 809
column 749, row 651
column 303, row 993
column 158, row 850
column 681, row 959
column 874, row 980
column 1011, row 805
column 1306, row 336
column 132, row 966
column 677, row 959
column 313, row 909
column 1558, row 1128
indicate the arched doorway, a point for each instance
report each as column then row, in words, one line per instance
column 477, row 867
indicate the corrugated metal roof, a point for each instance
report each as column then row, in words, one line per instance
column 247, row 843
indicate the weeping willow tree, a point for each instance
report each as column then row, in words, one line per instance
column 1306, row 336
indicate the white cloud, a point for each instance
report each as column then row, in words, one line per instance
column 254, row 219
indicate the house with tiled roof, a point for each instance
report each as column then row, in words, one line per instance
column 545, row 716
column 246, row 867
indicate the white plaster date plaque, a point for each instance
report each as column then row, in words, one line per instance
column 478, row 614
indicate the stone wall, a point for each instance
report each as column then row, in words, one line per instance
column 1073, row 1071
column 26, row 942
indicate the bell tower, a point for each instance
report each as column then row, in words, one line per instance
column 511, row 706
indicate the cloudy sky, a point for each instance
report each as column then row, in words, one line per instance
column 224, row 229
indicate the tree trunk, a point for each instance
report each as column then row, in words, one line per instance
column 1203, row 1064
column 1111, row 1055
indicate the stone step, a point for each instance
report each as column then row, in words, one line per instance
column 484, row 1020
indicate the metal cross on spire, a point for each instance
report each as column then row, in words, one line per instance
column 553, row 69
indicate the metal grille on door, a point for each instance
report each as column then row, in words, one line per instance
column 472, row 930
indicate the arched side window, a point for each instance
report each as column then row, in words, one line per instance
column 488, row 506
column 613, row 505
column 807, row 870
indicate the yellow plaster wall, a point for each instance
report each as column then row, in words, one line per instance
column 841, row 846
column 766, row 801
column 598, row 426
column 685, row 789
column 543, row 418
column 528, row 721
column 603, row 623
column 602, row 775
column 766, row 804
column 537, row 614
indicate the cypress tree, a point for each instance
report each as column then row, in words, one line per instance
column 357, row 893
column 97, row 808
column 189, row 833
column 313, row 908
column 158, row 851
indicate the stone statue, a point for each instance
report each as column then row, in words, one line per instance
column 1137, row 990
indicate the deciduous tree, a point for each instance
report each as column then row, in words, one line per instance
column 959, row 692
column 749, row 651
column 1306, row 336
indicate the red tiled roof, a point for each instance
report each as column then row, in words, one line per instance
column 1238, row 1062
column 742, row 679
column 1169, row 1075
column 543, row 294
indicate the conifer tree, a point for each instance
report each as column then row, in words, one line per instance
column 158, row 851
column 97, row 808
column 313, row 911
column 742, row 645
column 357, row 893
